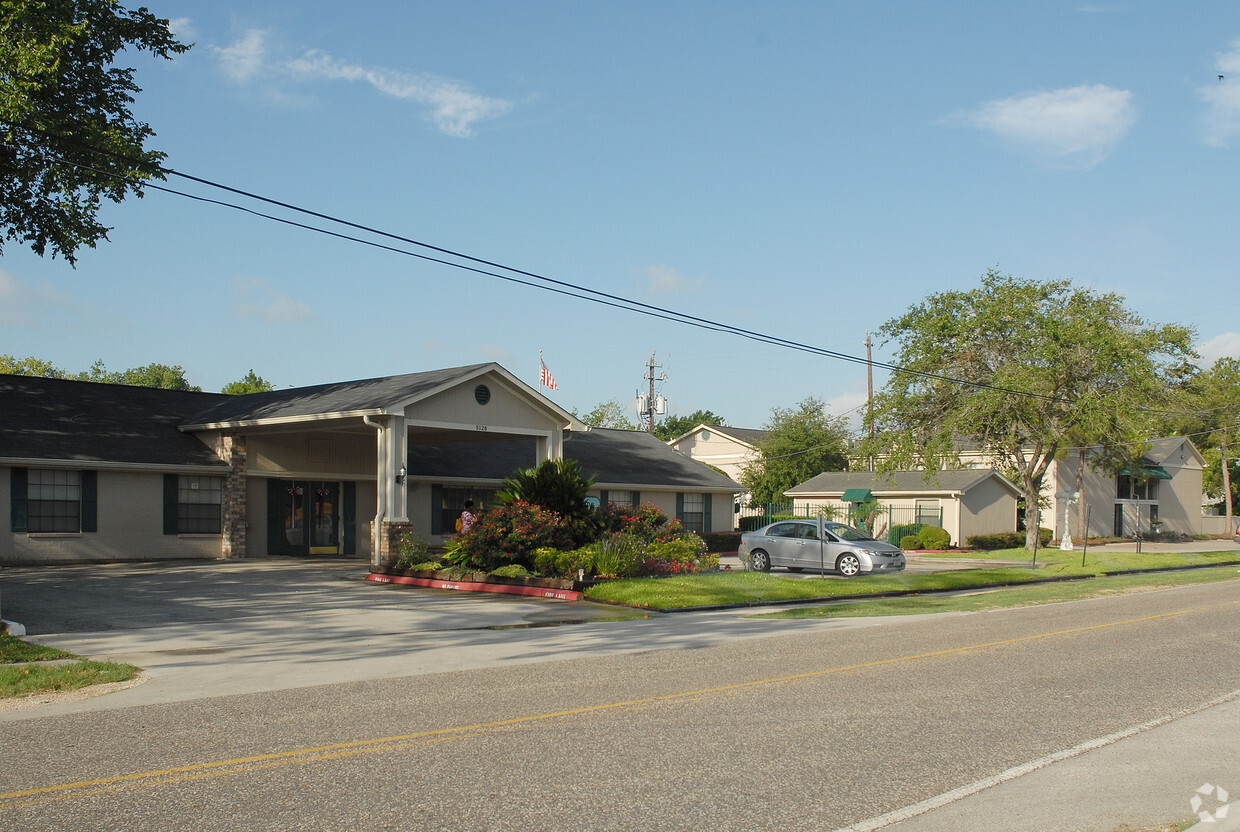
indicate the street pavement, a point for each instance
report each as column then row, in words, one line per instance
column 225, row 628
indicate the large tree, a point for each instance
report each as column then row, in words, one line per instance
column 152, row 375
column 674, row 426
column 67, row 136
column 30, row 366
column 1021, row 370
column 801, row 442
column 251, row 382
column 608, row 414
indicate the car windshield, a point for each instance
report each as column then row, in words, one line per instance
column 847, row 532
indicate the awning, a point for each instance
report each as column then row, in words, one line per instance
column 1146, row 472
column 858, row 495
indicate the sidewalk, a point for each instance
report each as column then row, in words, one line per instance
column 1136, row 782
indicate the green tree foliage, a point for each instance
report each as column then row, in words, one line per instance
column 1208, row 409
column 802, row 442
column 1085, row 369
column 674, row 426
column 152, row 375
column 30, row 366
column 67, row 136
column 555, row 484
column 608, row 414
column 250, row 383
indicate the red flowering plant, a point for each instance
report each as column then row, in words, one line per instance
column 508, row 534
column 646, row 522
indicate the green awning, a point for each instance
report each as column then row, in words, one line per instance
column 858, row 495
column 1146, row 472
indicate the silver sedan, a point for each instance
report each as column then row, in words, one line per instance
column 795, row 544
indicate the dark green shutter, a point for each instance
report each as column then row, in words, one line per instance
column 637, row 499
column 680, row 506
column 350, row 518
column 436, row 509
column 172, row 511
column 90, row 501
column 17, row 499
column 602, row 499
column 706, row 512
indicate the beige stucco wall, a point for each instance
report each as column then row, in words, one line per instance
column 334, row 455
column 724, row 453
column 130, row 522
column 458, row 406
column 987, row 508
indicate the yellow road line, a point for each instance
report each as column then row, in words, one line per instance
column 337, row 750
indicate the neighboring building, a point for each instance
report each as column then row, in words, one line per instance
column 964, row 502
column 99, row 472
column 728, row 449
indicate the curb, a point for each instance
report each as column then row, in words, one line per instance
column 12, row 628
column 473, row 586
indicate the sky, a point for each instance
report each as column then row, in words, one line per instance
column 803, row 170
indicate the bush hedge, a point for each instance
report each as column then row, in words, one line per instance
column 935, row 537
column 911, row 541
column 721, row 541
column 1006, row 540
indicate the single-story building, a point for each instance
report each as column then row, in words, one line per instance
column 963, row 502
column 101, row 472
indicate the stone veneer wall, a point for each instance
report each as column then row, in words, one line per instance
column 234, row 542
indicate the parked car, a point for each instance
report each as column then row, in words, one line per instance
column 794, row 544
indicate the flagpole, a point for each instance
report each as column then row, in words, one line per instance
column 540, row 372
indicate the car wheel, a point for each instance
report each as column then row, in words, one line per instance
column 848, row 565
column 760, row 561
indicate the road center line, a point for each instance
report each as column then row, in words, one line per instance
column 84, row 788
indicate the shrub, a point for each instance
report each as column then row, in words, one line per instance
column 1006, row 540
column 901, row 531
column 513, row 570
column 509, row 534
column 911, row 541
column 619, row 556
column 721, row 541
column 412, row 550
column 935, row 537
column 557, row 563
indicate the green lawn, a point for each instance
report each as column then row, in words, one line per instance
column 24, row 679
column 719, row 588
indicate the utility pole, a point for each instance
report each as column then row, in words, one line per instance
column 869, row 402
column 648, row 404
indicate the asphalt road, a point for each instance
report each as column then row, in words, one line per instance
column 677, row 722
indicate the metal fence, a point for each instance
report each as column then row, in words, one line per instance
column 888, row 523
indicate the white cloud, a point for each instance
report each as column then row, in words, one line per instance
column 850, row 405
column 454, row 108
column 21, row 303
column 450, row 105
column 666, row 280
column 1077, row 126
column 258, row 299
column 1225, row 345
column 182, row 28
column 1222, row 97
column 246, row 58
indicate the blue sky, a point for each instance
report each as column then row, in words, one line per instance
column 804, row 170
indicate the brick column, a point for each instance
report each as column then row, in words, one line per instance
column 390, row 538
column 235, row 518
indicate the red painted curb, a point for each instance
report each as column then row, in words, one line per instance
column 471, row 586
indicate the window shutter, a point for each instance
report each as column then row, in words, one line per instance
column 602, row 499
column 17, row 499
column 275, row 516
column 172, row 519
column 350, row 518
column 90, row 501
column 436, row 509
column 706, row 512
column 637, row 499
column 680, row 506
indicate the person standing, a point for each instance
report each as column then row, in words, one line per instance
column 467, row 517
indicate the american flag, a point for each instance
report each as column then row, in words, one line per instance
column 544, row 376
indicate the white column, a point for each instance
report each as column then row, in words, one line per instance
column 550, row 446
column 398, row 456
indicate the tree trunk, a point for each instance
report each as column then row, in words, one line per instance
column 1032, row 515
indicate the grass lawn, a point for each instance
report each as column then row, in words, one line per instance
column 756, row 587
column 24, row 679
column 1015, row 596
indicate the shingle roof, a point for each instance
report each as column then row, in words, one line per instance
column 367, row 395
column 837, row 482
column 56, row 419
column 612, row 457
column 751, row 436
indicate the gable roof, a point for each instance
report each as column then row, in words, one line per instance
column 616, row 458
column 954, row 481
column 1162, row 450
column 343, row 399
column 746, row 436
column 50, row 420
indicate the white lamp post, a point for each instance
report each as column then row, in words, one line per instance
column 1067, row 498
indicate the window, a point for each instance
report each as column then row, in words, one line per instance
column 929, row 513
column 1129, row 488
column 693, row 515
column 452, row 503
column 623, row 499
column 198, row 504
column 54, row 501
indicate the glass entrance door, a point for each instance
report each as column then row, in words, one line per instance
column 305, row 517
